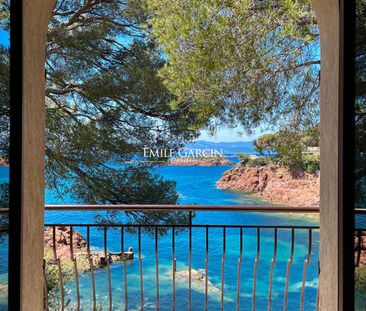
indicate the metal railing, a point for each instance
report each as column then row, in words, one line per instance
column 360, row 232
column 172, row 229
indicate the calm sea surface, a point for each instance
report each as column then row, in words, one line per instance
column 196, row 185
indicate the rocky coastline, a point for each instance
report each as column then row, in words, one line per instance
column 98, row 260
column 274, row 184
column 79, row 246
column 191, row 161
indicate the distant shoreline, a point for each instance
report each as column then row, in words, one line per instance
column 191, row 161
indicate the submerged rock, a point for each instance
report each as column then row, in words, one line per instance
column 198, row 281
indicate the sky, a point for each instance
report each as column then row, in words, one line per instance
column 225, row 134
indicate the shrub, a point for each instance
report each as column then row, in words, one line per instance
column 67, row 270
column 266, row 144
column 311, row 163
column 259, row 161
column 360, row 279
column 244, row 158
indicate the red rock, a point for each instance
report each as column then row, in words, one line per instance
column 275, row 184
column 63, row 250
column 62, row 238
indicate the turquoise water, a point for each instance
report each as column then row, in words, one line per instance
column 196, row 185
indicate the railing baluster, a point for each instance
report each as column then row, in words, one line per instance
column 239, row 270
column 57, row 260
column 289, row 262
column 359, row 247
column 256, row 261
column 272, row 268
column 317, row 293
column 91, row 269
column 306, row 263
column 124, row 267
column 223, row 267
column 157, row 269
column 108, row 269
column 206, row 272
column 45, row 286
column 76, row 273
column 173, row 267
column 190, row 264
column 141, row 277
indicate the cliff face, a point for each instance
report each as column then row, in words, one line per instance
column 275, row 184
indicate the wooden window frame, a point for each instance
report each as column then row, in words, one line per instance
column 28, row 141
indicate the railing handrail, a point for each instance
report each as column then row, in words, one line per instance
column 170, row 207
column 154, row 225
column 216, row 208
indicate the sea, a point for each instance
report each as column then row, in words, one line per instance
column 196, row 185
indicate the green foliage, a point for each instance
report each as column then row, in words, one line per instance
column 360, row 103
column 311, row 163
column 5, row 14
column 67, row 272
column 4, row 203
column 244, row 157
column 4, row 102
column 265, row 144
column 240, row 62
column 311, row 137
column 287, row 147
column 67, row 268
column 104, row 103
column 4, row 195
column 259, row 161
column 360, row 279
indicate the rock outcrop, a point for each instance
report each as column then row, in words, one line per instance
column 191, row 161
column 198, row 281
column 63, row 249
column 275, row 184
column 360, row 249
column 62, row 238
